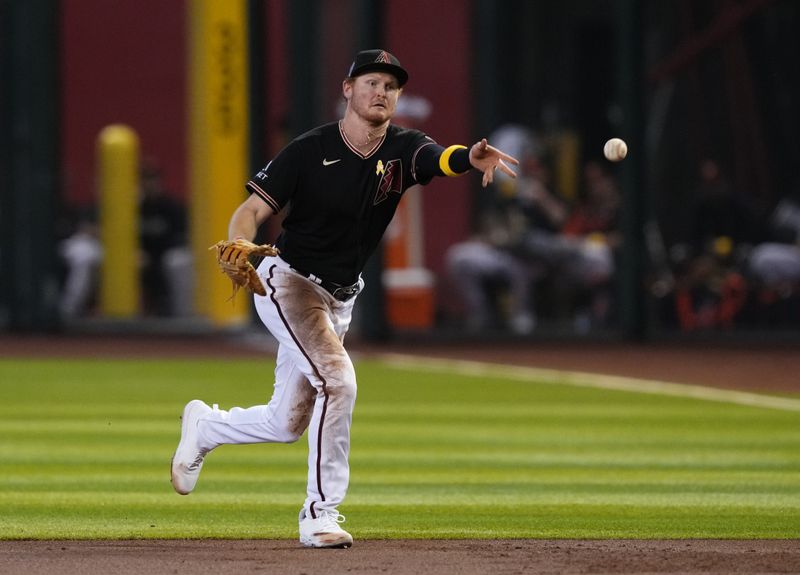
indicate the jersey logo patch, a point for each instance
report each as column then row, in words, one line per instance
column 391, row 181
column 326, row 162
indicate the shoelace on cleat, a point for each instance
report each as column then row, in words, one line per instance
column 198, row 461
column 332, row 519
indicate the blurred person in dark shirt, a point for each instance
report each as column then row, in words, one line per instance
column 711, row 288
column 164, row 260
column 495, row 282
column 590, row 238
column 162, row 236
column 719, row 212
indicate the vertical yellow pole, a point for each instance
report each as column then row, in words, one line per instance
column 567, row 168
column 218, row 138
column 118, row 178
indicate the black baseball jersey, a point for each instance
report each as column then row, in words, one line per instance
column 340, row 201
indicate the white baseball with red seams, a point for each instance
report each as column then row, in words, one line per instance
column 615, row 150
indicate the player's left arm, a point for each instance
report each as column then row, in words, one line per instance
column 248, row 217
column 434, row 160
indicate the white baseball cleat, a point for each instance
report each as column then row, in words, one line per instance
column 188, row 459
column 324, row 531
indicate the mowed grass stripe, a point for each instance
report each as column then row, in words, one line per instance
column 85, row 448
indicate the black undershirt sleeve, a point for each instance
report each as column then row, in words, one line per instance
column 428, row 162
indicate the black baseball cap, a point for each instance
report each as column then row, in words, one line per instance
column 377, row 61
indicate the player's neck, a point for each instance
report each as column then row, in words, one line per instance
column 361, row 133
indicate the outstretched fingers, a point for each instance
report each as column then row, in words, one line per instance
column 506, row 169
column 505, row 157
column 488, row 177
column 488, row 159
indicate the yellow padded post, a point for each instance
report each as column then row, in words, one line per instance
column 118, row 179
column 218, row 140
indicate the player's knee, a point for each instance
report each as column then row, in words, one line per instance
column 346, row 390
column 342, row 388
column 290, row 427
column 289, row 436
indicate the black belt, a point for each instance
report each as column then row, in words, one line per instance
column 338, row 291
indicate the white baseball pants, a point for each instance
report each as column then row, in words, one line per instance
column 315, row 384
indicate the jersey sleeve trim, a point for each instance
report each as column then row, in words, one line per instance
column 451, row 168
column 259, row 191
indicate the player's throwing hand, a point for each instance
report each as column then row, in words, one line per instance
column 487, row 159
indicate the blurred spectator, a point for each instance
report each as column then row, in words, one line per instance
column 165, row 258
column 719, row 212
column 485, row 265
column 530, row 237
column 710, row 291
column 81, row 253
column 710, row 287
column 479, row 269
column 582, row 256
column 774, row 266
column 776, row 263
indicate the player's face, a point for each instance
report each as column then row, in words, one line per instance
column 373, row 96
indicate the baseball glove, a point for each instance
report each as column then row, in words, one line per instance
column 233, row 258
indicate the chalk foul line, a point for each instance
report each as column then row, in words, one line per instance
column 591, row 380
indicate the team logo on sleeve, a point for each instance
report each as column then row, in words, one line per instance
column 391, row 181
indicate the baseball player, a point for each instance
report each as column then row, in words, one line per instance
column 341, row 183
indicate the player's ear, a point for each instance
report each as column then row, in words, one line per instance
column 347, row 88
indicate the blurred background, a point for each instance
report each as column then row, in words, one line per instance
column 128, row 130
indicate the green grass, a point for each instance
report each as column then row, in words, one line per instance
column 85, row 448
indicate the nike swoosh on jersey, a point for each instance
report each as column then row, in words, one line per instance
column 329, row 162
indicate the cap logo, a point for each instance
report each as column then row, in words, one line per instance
column 377, row 60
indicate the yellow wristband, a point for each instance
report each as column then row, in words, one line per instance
column 444, row 160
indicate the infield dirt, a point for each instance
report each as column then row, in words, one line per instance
column 402, row 557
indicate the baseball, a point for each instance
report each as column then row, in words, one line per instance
column 615, row 150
